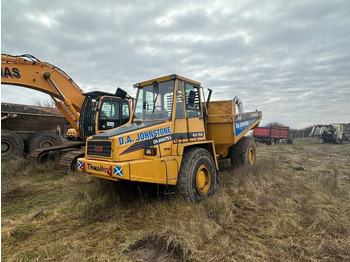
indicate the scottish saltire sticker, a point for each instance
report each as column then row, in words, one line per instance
column 81, row 165
column 118, row 171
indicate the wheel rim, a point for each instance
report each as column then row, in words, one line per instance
column 251, row 156
column 5, row 147
column 203, row 180
column 46, row 144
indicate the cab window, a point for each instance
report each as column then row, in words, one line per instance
column 155, row 103
column 193, row 108
column 109, row 115
column 180, row 113
column 125, row 113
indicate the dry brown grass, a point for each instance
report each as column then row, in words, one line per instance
column 292, row 206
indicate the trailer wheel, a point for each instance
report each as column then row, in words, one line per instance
column 11, row 144
column 197, row 175
column 272, row 141
column 43, row 139
column 243, row 153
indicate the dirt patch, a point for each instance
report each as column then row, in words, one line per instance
column 153, row 250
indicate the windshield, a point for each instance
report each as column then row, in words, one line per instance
column 155, row 103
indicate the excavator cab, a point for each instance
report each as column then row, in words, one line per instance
column 101, row 112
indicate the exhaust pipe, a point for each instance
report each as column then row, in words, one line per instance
column 239, row 105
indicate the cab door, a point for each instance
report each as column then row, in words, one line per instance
column 193, row 113
column 113, row 112
column 180, row 122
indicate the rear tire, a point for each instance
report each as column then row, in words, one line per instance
column 42, row 139
column 11, row 145
column 197, row 175
column 243, row 153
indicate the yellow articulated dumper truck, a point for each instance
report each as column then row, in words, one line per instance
column 175, row 138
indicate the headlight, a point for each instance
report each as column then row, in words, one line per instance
column 152, row 151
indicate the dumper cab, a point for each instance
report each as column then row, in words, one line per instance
column 170, row 136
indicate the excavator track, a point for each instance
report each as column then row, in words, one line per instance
column 41, row 155
column 68, row 161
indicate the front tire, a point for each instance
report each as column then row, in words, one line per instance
column 197, row 175
column 243, row 153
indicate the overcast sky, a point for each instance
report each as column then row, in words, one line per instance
column 290, row 59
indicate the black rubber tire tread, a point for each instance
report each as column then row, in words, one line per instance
column 33, row 142
column 191, row 161
column 15, row 142
column 239, row 152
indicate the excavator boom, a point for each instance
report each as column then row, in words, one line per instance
column 28, row 71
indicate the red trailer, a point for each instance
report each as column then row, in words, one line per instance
column 272, row 135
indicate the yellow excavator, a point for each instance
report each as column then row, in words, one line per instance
column 88, row 113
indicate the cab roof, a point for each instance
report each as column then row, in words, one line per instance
column 166, row 78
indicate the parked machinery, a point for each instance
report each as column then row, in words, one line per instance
column 333, row 133
column 175, row 138
column 273, row 134
column 20, row 122
column 88, row 113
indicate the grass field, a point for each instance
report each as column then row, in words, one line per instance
column 293, row 205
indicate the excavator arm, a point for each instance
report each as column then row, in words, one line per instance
column 28, row 71
column 96, row 112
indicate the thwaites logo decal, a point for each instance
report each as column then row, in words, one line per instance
column 117, row 171
column 100, row 168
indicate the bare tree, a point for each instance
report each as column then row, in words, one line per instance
column 274, row 124
column 44, row 103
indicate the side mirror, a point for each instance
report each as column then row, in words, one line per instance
column 191, row 97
